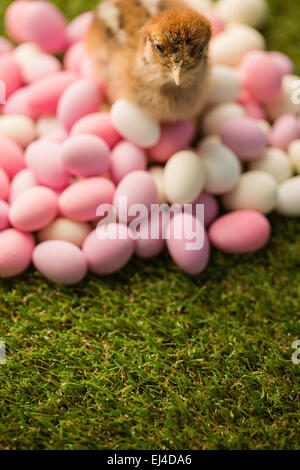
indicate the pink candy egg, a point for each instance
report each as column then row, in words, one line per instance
column 4, row 185
column 282, row 61
column 17, row 103
column 285, row 130
column 77, row 29
column 21, row 181
column 78, row 100
column 98, row 124
column 85, row 155
column 33, row 209
column 43, row 158
column 81, row 200
column 10, row 73
column 243, row 231
column 74, row 56
column 137, row 187
column 46, row 26
column 192, row 261
column 217, row 24
column 44, row 94
column 108, row 255
column 39, row 66
column 60, row 261
column 150, row 241
column 14, row 20
column 261, row 76
column 244, row 137
column 126, row 158
column 211, row 207
column 15, row 252
column 174, row 137
column 4, row 220
column 5, row 46
column 11, row 156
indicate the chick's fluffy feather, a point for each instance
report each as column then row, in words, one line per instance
column 138, row 45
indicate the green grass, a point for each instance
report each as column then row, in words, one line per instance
column 151, row 358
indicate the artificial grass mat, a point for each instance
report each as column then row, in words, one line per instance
column 151, row 358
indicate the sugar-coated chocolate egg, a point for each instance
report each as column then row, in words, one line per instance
column 4, row 219
column 19, row 128
column 39, row 66
column 256, row 190
column 289, row 197
column 65, row 229
column 244, row 137
column 33, row 209
column 215, row 117
column 85, row 155
column 174, row 137
column 126, row 157
column 74, row 56
column 224, row 85
column 157, row 173
column 134, row 124
column 275, row 162
column 17, row 104
column 10, row 73
column 15, row 252
column 137, row 187
column 23, row 180
column 77, row 28
column 251, row 12
column 98, row 124
column 60, row 261
column 44, row 94
column 4, row 185
column 222, row 168
column 188, row 243
column 288, row 100
column 14, row 20
column 46, row 26
column 184, row 177
column 43, row 158
column 149, row 241
column 211, row 207
column 242, row 231
column 81, row 200
column 283, row 62
column 232, row 45
column 261, row 76
column 108, row 248
column 78, row 100
column 11, row 156
column 25, row 52
column 285, row 130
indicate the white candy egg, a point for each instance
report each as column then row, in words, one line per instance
column 46, row 125
column 275, row 162
column 251, row 12
column 225, row 84
column 294, row 155
column 222, row 168
column 65, row 229
column 200, row 5
column 184, row 177
column 289, row 99
column 157, row 172
column 18, row 128
column 229, row 47
column 25, row 52
column 134, row 124
column 218, row 115
column 255, row 190
column 289, row 197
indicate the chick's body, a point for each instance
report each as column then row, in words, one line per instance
column 152, row 52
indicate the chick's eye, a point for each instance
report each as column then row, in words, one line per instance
column 160, row 48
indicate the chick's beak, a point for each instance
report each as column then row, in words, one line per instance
column 176, row 72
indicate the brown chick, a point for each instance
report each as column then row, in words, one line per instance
column 154, row 53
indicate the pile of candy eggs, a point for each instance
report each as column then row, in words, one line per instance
column 62, row 155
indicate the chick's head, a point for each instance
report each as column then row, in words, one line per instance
column 177, row 42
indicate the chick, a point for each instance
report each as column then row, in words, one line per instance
column 154, row 53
